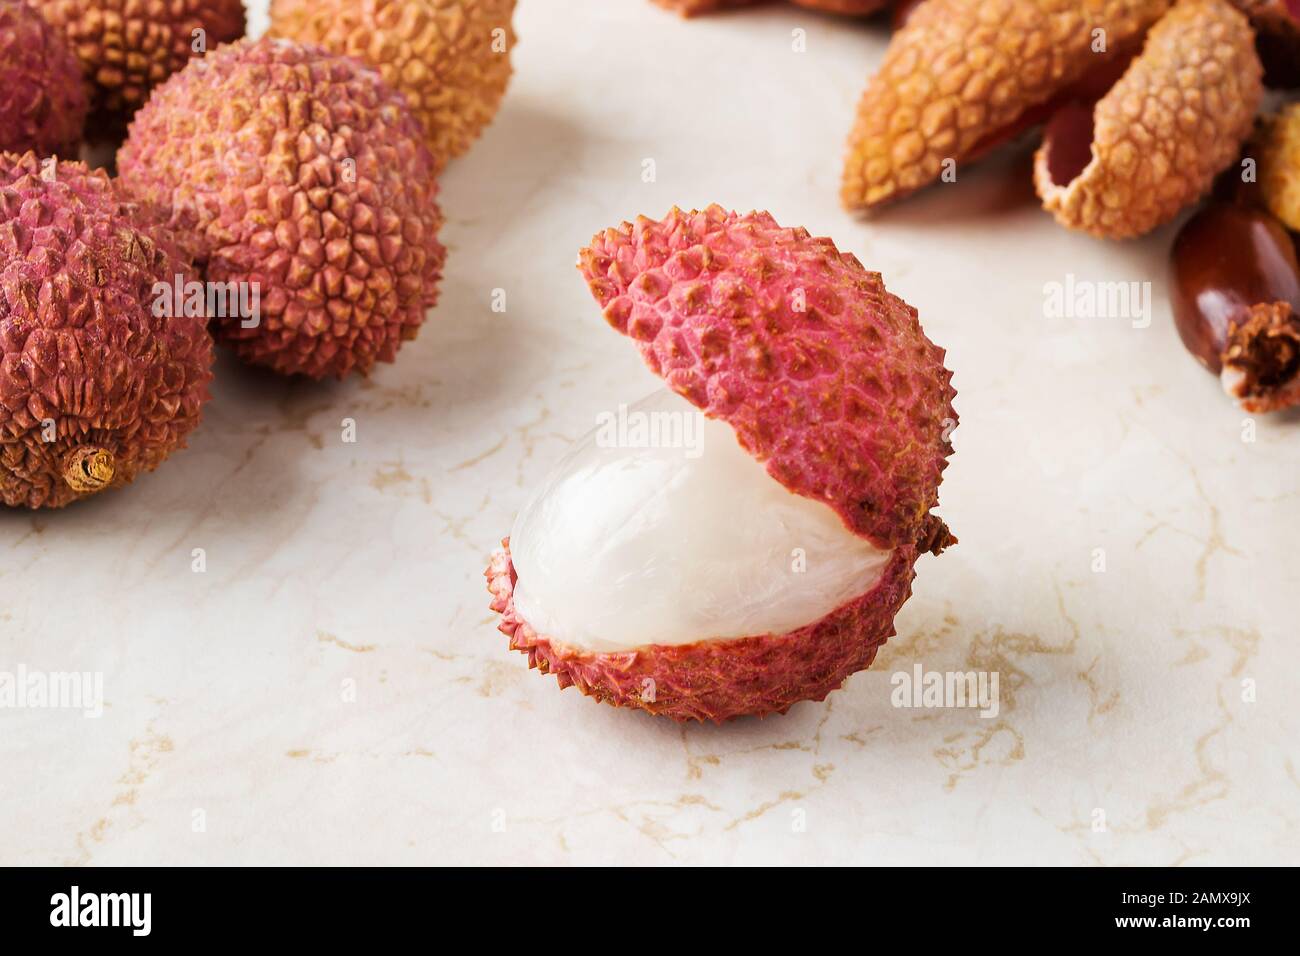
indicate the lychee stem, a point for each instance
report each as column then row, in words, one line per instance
column 89, row 469
column 1261, row 364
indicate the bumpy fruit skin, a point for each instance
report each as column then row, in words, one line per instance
column 127, row 47
column 1174, row 121
column 451, row 58
column 1277, row 149
column 961, row 73
column 717, row 680
column 83, row 358
column 305, row 176
column 43, row 103
column 828, row 380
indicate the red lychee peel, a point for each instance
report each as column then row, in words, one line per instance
column 43, row 101
column 717, row 680
column 824, row 375
column 80, row 346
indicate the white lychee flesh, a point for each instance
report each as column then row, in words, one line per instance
column 658, row 528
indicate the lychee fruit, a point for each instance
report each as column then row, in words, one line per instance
column 757, row 555
column 302, row 176
column 961, row 76
column 1155, row 142
column 43, row 102
column 451, row 58
column 101, row 376
column 127, row 47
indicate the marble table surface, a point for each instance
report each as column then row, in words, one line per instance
column 332, row 688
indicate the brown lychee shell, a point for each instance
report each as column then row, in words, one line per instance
column 1173, row 122
column 961, row 72
column 449, row 58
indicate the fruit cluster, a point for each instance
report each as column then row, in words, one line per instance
column 276, row 195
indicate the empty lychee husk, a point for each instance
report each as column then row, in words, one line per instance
column 1276, row 149
column 1277, row 25
column 962, row 76
column 828, row 404
column 1155, row 142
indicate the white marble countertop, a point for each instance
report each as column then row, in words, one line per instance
column 333, row 690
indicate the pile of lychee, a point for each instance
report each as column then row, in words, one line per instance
column 278, row 196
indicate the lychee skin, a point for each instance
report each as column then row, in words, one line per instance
column 43, row 102
column 963, row 72
column 717, row 680
column 83, row 358
column 824, row 375
column 303, row 175
column 828, row 380
column 451, row 58
column 127, row 47
column 1174, row 121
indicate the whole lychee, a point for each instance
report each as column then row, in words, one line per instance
column 303, row 181
column 127, row 47
column 450, row 57
column 101, row 376
column 742, row 540
column 42, row 100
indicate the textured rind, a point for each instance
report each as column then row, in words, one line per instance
column 962, row 71
column 127, row 47
column 1174, row 121
column 43, row 102
column 1278, row 39
column 717, row 680
column 845, row 400
column 79, row 344
column 304, row 174
column 1277, row 149
column 439, row 53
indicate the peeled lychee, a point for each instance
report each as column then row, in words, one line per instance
column 302, row 176
column 127, row 47
column 42, row 100
column 451, row 58
column 101, row 375
column 758, row 556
